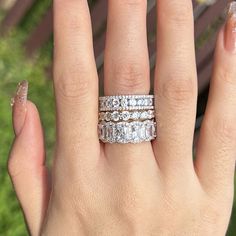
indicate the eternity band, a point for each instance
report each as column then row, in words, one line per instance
column 126, row 102
column 126, row 115
column 127, row 132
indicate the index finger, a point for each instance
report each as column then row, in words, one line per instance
column 75, row 76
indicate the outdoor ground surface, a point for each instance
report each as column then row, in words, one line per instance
column 14, row 67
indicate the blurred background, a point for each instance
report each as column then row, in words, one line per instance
column 26, row 44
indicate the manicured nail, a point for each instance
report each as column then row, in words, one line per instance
column 19, row 102
column 230, row 28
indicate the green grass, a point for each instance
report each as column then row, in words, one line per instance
column 13, row 68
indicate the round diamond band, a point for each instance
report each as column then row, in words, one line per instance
column 126, row 119
column 126, row 102
column 126, row 115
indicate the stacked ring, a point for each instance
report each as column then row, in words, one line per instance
column 126, row 119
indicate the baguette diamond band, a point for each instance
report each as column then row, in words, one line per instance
column 126, row 119
column 125, row 132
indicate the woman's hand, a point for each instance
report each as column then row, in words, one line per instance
column 142, row 189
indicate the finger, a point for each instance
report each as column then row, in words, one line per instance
column 126, row 54
column 126, row 66
column 75, row 78
column 216, row 152
column 175, row 86
column 26, row 162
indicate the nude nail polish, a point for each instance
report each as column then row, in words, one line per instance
column 21, row 94
column 230, row 28
column 19, row 102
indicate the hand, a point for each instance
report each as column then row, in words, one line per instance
column 142, row 189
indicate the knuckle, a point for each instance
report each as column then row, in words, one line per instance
column 133, row 2
column 73, row 83
column 178, row 91
column 130, row 77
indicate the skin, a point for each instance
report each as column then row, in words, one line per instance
column 143, row 189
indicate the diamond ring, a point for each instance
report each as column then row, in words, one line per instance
column 126, row 102
column 127, row 132
column 126, row 119
column 126, row 115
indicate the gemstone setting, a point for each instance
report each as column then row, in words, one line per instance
column 126, row 115
column 126, row 102
column 124, row 132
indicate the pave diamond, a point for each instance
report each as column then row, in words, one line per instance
column 132, row 102
column 141, row 102
column 126, row 102
column 115, row 103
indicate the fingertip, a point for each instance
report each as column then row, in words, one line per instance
column 28, row 147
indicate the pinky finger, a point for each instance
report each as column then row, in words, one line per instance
column 216, row 151
column 26, row 161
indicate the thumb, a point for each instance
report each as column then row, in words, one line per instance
column 26, row 161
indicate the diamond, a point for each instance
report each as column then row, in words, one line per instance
column 150, row 102
column 135, row 115
column 119, row 133
column 140, row 102
column 108, row 103
column 107, row 116
column 115, row 116
column 144, row 115
column 150, row 114
column 101, row 131
column 146, row 102
column 115, row 103
column 110, row 133
column 125, row 115
column 142, row 132
column 124, row 102
column 132, row 102
column 135, row 132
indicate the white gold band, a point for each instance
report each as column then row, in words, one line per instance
column 127, row 132
column 126, row 115
column 126, row 102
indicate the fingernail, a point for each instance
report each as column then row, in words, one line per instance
column 230, row 28
column 19, row 102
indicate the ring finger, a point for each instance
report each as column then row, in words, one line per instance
column 126, row 63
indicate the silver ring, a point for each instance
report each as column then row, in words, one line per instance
column 126, row 115
column 126, row 102
column 127, row 132
column 126, row 119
